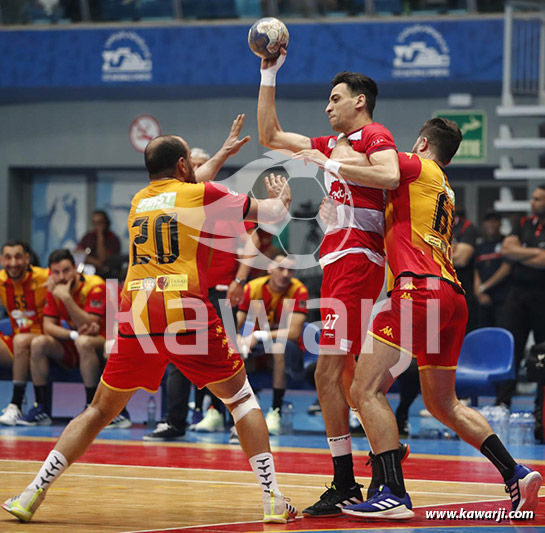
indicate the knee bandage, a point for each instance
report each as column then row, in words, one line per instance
column 249, row 402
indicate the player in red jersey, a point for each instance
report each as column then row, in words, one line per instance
column 165, row 314
column 425, row 296
column 351, row 252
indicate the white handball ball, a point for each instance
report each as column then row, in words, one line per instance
column 267, row 36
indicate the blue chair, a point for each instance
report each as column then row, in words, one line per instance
column 5, row 326
column 487, row 357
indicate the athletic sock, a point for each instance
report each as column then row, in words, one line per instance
column 263, row 467
column 40, row 393
column 494, row 450
column 343, row 465
column 90, row 394
column 18, row 393
column 392, row 474
column 53, row 467
column 278, row 398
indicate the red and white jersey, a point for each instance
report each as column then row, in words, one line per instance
column 360, row 228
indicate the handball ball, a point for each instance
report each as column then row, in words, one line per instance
column 267, row 36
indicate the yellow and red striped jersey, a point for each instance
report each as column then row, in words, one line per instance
column 25, row 301
column 171, row 226
column 419, row 216
column 89, row 294
column 259, row 289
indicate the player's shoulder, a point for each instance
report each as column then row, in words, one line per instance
column 258, row 282
column 3, row 276
column 92, row 281
column 40, row 273
column 298, row 285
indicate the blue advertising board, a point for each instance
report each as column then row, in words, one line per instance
column 449, row 55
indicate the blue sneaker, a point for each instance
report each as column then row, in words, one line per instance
column 35, row 417
column 383, row 505
column 524, row 489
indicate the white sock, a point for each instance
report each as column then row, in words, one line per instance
column 341, row 445
column 53, row 467
column 263, row 466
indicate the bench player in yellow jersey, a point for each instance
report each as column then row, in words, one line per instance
column 165, row 316
column 23, row 290
column 425, row 296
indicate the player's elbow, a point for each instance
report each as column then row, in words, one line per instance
column 266, row 138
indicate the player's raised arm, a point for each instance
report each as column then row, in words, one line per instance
column 208, row 170
column 271, row 134
column 274, row 208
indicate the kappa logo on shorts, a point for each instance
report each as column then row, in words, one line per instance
column 219, row 330
column 387, row 331
column 236, row 363
column 409, row 287
column 223, row 342
column 406, row 296
column 230, row 352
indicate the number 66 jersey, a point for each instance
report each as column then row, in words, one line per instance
column 171, row 227
column 418, row 219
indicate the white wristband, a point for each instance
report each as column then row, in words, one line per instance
column 74, row 335
column 268, row 78
column 332, row 166
column 262, row 336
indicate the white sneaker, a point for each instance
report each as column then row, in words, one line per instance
column 277, row 509
column 273, row 421
column 212, row 421
column 25, row 505
column 10, row 415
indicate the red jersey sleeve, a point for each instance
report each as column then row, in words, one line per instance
column 245, row 304
column 410, row 167
column 378, row 138
column 321, row 143
column 51, row 308
column 95, row 303
column 301, row 299
column 220, row 203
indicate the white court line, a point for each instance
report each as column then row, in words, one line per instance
column 170, row 468
column 216, row 482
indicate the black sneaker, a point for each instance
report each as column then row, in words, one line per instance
column 333, row 500
column 404, row 451
column 164, row 431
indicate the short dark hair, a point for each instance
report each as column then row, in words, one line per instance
column 492, row 215
column 56, row 256
column 162, row 155
column 444, row 137
column 24, row 245
column 105, row 215
column 359, row 84
column 541, row 186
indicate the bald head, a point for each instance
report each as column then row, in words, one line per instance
column 162, row 155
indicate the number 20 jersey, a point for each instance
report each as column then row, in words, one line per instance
column 418, row 217
column 171, row 225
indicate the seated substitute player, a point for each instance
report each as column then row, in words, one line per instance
column 80, row 300
column 166, row 316
column 23, row 288
column 422, row 281
column 283, row 339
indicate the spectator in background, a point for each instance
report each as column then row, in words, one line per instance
column 524, row 309
column 23, row 290
column 491, row 272
column 80, row 301
column 101, row 244
column 272, row 292
column 463, row 258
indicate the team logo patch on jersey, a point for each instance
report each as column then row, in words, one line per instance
column 162, row 201
column 387, row 331
column 173, row 282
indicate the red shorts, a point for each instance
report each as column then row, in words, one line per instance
column 206, row 359
column 354, row 282
column 8, row 341
column 426, row 318
column 70, row 359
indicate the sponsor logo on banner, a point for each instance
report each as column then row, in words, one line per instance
column 421, row 52
column 146, row 284
column 126, row 57
column 161, row 201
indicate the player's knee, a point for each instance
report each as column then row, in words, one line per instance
column 84, row 343
column 242, row 402
column 38, row 347
column 21, row 342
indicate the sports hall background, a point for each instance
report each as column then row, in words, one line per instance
column 66, row 113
